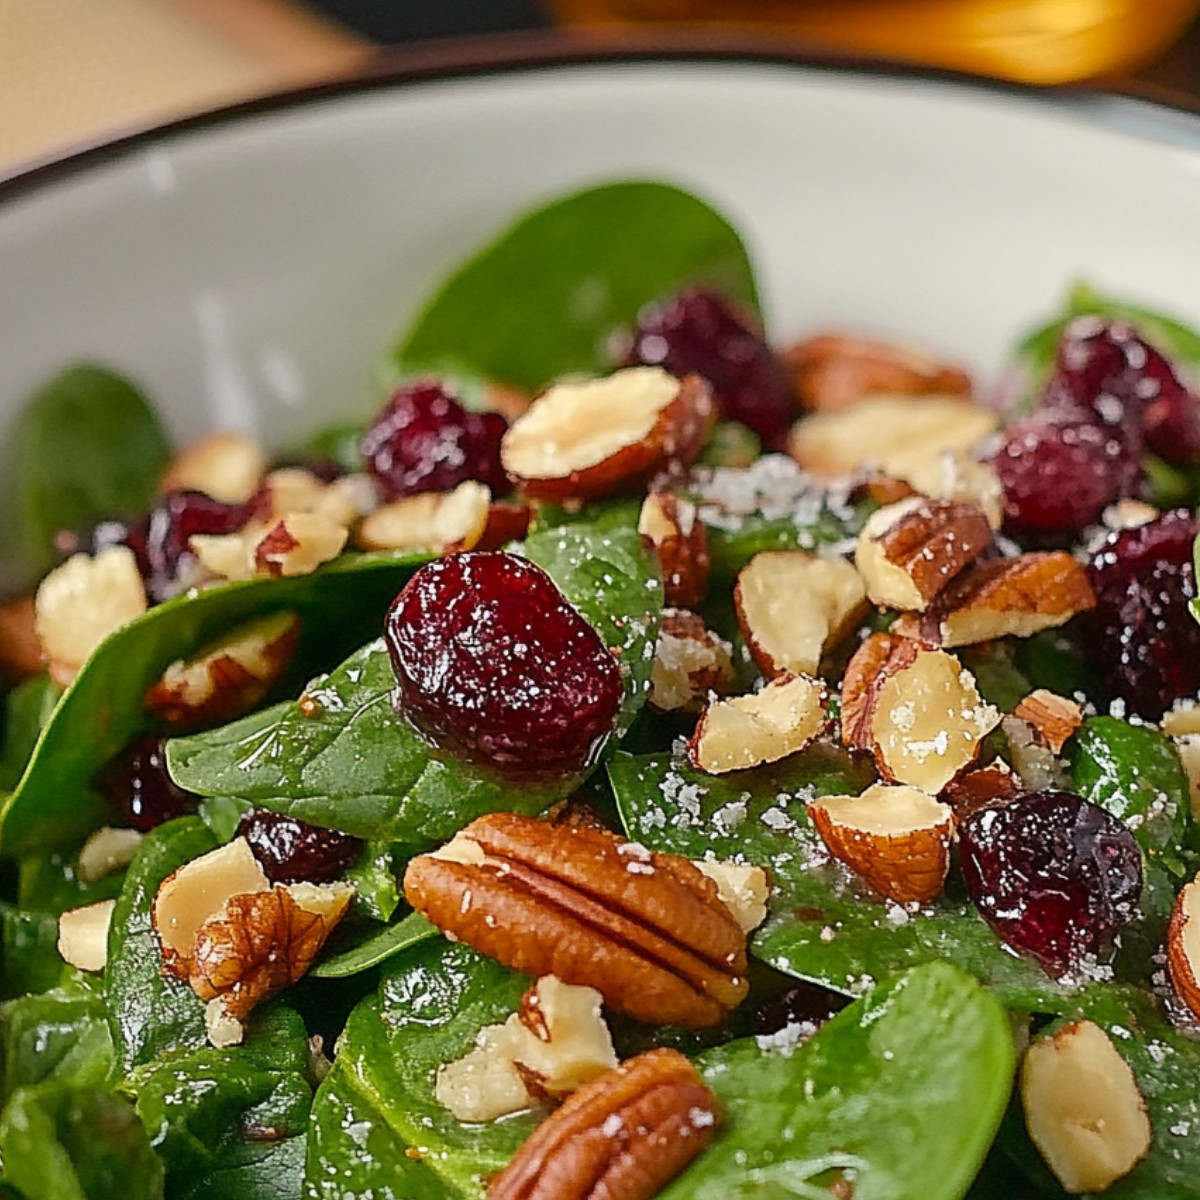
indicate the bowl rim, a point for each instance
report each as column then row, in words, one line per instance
column 407, row 65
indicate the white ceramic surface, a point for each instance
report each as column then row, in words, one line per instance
column 251, row 271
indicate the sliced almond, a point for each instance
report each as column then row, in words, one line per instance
column 762, row 727
column 908, row 552
column 897, row 838
column 1083, row 1108
column 742, row 887
column 582, row 440
column 792, row 607
column 690, row 663
column 226, row 466
column 1008, row 597
column 1183, row 946
column 437, row 522
column 229, row 677
column 83, row 935
column 670, row 527
column 1053, row 718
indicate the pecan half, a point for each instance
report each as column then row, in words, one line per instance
column 648, row 931
column 626, row 1134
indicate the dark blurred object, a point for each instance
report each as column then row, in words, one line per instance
column 413, row 20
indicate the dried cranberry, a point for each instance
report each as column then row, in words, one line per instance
column 699, row 332
column 1053, row 874
column 425, row 441
column 137, row 783
column 490, row 656
column 292, row 851
column 1142, row 637
column 803, row 1004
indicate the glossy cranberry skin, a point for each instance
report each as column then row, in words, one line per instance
column 699, row 332
column 137, row 784
column 425, row 441
column 1054, row 875
column 803, row 1004
column 292, row 851
column 1141, row 635
column 491, row 659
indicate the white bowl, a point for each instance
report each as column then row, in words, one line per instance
column 250, row 268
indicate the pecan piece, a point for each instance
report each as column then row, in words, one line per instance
column 648, row 931
column 626, row 1134
column 690, row 661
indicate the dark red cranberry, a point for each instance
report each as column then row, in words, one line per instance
column 699, row 332
column 292, row 851
column 492, row 658
column 804, row 1004
column 1141, row 636
column 425, row 441
column 137, row 783
column 1054, row 875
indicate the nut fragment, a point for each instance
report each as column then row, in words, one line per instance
column 743, row 889
column 20, row 650
column 433, row 521
column 581, row 440
column 909, row 551
column 1083, row 1109
column 670, row 526
column 1052, row 718
column 226, row 466
column 762, row 727
column 983, row 787
column 955, row 475
column 295, row 543
column 1007, row 597
column 227, row 678
column 793, row 606
column 626, row 1134
column 1188, row 746
column 897, row 838
column 690, row 662
column 1183, row 946
column 83, row 935
column 107, row 850
column 648, row 931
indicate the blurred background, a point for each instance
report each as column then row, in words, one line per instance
column 79, row 71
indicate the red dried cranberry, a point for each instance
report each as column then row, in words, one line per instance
column 292, row 851
column 1053, row 874
column 1141, row 635
column 425, row 441
column 700, row 332
column 803, row 1004
column 490, row 656
column 137, row 783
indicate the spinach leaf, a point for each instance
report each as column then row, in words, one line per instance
column 27, row 708
column 56, row 802
column 573, row 272
column 822, row 925
column 64, row 1142
column 29, row 958
column 271, row 1170
column 86, row 447
column 377, row 948
column 900, row 1095
column 49, row 883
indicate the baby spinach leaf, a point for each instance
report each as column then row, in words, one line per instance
column 573, row 271
column 27, row 708
column 272, row 1170
column 64, row 1142
column 48, row 882
column 822, row 925
column 86, row 447
column 29, row 958
column 377, row 948
column 900, row 1095
column 56, row 802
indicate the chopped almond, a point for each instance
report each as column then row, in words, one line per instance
column 1183, row 946
column 83, row 935
column 955, row 475
column 107, row 850
column 742, row 888
column 438, row 522
column 670, row 527
column 1188, row 746
column 229, row 467
column 983, row 787
column 690, row 662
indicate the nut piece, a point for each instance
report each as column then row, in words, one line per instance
column 743, row 889
column 670, row 527
column 507, row 521
column 1183, row 946
column 83, row 935
column 761, row 727
column 893, row 434
column 1008, row 597
column 298, row 544
column 984, row 787
column 690, row 662
column 228, row 678
column 916, row 710
column 435, row 521
column 1037, row 766
column 1083, row 1109
column 1188, row 746
column 554, row 1044
column 897, row 838
column 107, row 850
column 955, row 475
column 20, row 650
column 908, row 552
column 226, row 466
column 648, row 931
column 1052, row 718
column 582, row 440
column 833, row 370
column 626, row 1134
column 793, row 606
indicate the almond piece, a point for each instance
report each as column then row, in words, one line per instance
column 229, row 467
column 1008, row 597
column 582, row 440
column 897, row 838
column 1183, row 946
column 793, row 607
column 916, row 710
column 891, row 434
column 438, row 522
column 670, row 527
column 106, row 850
column 83, row 935
column 20, row 649
column 507, row 521
column 762, row 727
column 227, row 678
column 1083, row 1109
column 742, row 887
column 298, row 544
column 690, row 662
column 908, row 552
column 1188, row 746
column 1053, row 718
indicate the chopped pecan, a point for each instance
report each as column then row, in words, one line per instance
column 1052, row 718
column 648, row 931
column 690, row 661
column 626, row 1134
column 994, row 784
column 670, row 526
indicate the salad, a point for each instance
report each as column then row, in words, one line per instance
column 639, row 759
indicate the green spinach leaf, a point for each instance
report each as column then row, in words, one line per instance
column 29, row 958
column 27, row 708
column 378, row 948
